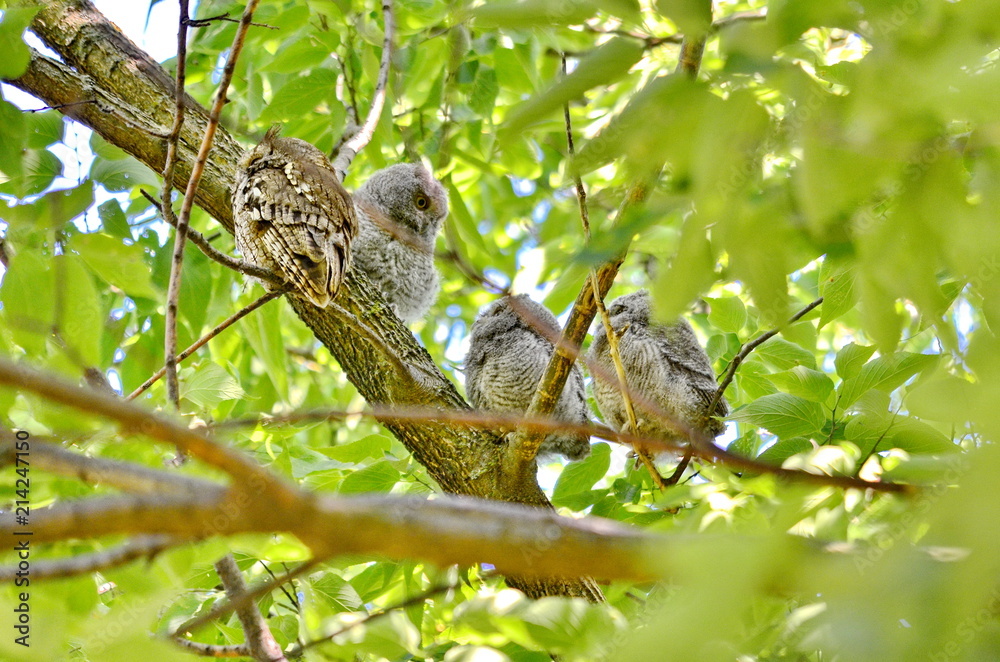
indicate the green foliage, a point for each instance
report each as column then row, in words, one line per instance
column 842, row 150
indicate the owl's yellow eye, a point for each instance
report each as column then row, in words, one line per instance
column 422, row 202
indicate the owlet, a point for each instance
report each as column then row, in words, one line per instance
column 400, row 210
column 508, row 353
column 663, row 362
column 293, row 217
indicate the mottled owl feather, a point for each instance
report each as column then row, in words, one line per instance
column 663, row 362
column 400, row 210
column 509, row 349
column 293, row 217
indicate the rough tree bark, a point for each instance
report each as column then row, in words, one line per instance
column 131, row 106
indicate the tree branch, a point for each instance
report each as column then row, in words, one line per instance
column 126, row 476
column 751, row 346
column 223, row 607
column 167, row 209
column 260, row 641
column 364, row 134
column 141, row 547
column 581, row 196
column 202, row 242
column 201, row 342
column 246, row 473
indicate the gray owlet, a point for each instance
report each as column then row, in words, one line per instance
column 400, row 210
column 508, row 353
column 293, row 217
column 663, row 362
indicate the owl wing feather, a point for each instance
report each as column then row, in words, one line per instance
column 306, row 231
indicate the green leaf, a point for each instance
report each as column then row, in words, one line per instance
column 783, row 415
column 28, row 296
column 608, row 63
column 580, row 476
column 837, row 289
column 532, row 13
column 80, row 322
column 810, row 384
column 727, row 314
column 122, row 174
column 301, row 96
column 262, row 330
column 208, row 385
column 484, row 92
column 783, row 449
column 119, row 265
column 39, row 167
column 298, row 56
column 337, row 593
column 915, row 436
column 691, row 272
column 851, row 358
column 15, row 52
column 885, row 373
column 784, row 355
column 379, row 477
column 113, row 219
column 693, row 17
column 752, row 378
column 374, row 446
column 44, row 128
column 14, row 137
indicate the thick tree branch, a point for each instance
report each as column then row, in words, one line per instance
column 246, row 473
column 521, row 540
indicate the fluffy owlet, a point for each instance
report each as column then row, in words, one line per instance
column 508, row 353
column 664, row 362
column 400, row 210
column 293, row 217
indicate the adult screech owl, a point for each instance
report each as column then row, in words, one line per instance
column 508, row 353
column 293, row 217
column 400, row 210
column 664, row 362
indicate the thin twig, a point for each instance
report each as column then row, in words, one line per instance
column 204, row 244
column 198, row 344
column 59, row 106
column 364, row 134
column 50, row 456
column 581, row 196
column 260, row 641
column 167, row 209
column 183, row 220
column 751, row 346
column 545, row 425
column 417, row 599
column 224, row 607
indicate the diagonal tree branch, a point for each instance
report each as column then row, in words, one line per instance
column 260, row 641
column 364, row 133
